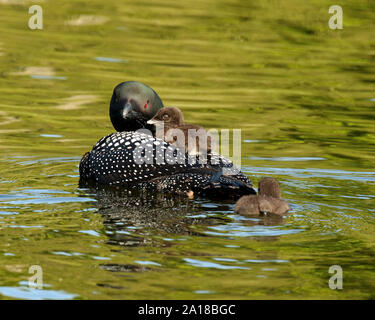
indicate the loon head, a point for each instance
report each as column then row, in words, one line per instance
column 132, row 105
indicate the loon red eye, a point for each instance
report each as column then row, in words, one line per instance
column 146, row 105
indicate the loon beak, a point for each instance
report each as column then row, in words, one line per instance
column 126, row 110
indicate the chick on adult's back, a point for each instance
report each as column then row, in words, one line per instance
column 190, row 137
column 135, row 159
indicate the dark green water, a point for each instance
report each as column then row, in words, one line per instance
column 302, row 94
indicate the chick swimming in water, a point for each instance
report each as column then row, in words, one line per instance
column 267, row 202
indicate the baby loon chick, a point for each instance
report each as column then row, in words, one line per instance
column 173, row 118
column 268, row 201
column 135, row 159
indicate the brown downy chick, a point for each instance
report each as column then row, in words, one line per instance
column 267, row 201
column 174, row 119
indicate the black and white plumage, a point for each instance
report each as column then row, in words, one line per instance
column 115, row 160
column 138, row 160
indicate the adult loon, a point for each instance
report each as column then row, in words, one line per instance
column 133, row 159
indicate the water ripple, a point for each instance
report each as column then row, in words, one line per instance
column 238, row 230
column 35, row 294
column 289, row 159
column 207, row 264
column 363, row 176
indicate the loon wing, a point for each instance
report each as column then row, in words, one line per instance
column 140, row 160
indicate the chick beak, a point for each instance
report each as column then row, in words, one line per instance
column 152, row 121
